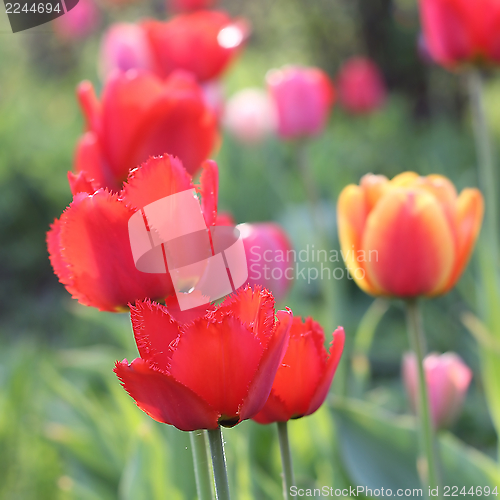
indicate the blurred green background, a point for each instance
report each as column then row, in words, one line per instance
column 67, row 429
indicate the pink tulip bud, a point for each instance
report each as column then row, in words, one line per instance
column 124, row 46
column 267, row 250
column 361, row 86
column 448, row 379
column 250, row 115
column 303, row 98
column 79, row 22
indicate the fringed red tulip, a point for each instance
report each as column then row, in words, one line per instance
column 216, row 370
column 89, row 245
column 305, row 375
column 140, row 116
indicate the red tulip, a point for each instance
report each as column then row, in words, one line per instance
column 303, row 98
column 139, row 116
column 304, row 377
column 202, row 42
column 216, row 370
column 267, row 249
column 124, row 46
column 462, row 31
column 361, row 86
column 189, row 5
column 447, row 378
column 89, row 245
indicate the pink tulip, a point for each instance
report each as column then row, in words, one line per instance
column 79, row 22
column 303, row 98
column 124, row 46
column 267, row 249
column 361, row 86
column 250, row 115
column 448, row 379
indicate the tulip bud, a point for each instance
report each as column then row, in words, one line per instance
column 250, row 115
column 303, row 98
column 267, row 247
column 408, row 236
column 79, row 22
column 361, row 86
column 189, row 5
column 447, row 377
column 461, row 32
column 124, row 46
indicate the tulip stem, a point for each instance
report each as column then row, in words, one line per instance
column 199, row 446
column 219, row 463
column 286, row 459
column 487, row 178
column 427, row 444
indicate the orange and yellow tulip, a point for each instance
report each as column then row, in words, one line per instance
column 408, row 236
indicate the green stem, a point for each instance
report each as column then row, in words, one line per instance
column 363, row 339
column 286, row 459
column 204, row 485
column 489, row 289
column 487, row 178
column 417, row 342
column 219, row 463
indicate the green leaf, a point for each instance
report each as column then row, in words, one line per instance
column 380, row 450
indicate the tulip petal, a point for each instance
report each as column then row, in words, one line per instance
column 352, row 211
column 470, row 210
column 90, row 105
column 209, row 189
column 180, row 125
column 262, row 382
column 254, row 307
column 374, row 187
column 79, row 183
column 187, row 315
column 191, row 42
column 156, row 333
column 302, row 367
column 404, row 179
column 94, row 241
column 60, row 266
column 275, row 410
column 163, row 398
column 125, row 100
column 227, row 356
column 409, row 243
column 155, row 179
column 447, row 29
column 89, row 160
column 336, row 349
